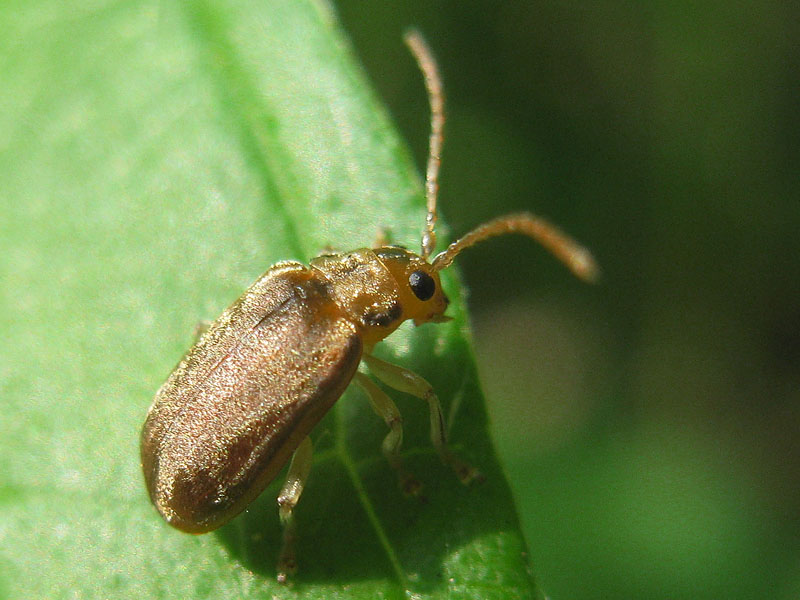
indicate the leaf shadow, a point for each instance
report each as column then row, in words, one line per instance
column 338, row 543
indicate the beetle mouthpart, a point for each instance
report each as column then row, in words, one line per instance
column 434, row 319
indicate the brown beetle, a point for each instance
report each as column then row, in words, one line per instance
column 246, row 396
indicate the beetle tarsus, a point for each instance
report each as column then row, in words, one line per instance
column 287, row 561
column 466, row 473
column 410, row 485
column 287, row 567
column 200, row 328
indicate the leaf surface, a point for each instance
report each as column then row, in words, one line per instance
column 154, row 160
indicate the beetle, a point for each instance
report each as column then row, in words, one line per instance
column 244, row 399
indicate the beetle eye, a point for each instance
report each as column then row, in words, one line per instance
column 422, row 285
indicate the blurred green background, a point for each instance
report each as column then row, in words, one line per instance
column 649, row 424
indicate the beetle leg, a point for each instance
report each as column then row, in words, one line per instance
column 287, row 500
column 329, row 250
column 382, row 238
column 200, row 328
column 409, row 382
column 387, row 410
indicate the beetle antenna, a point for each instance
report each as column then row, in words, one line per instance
column 433, row 83
column 577, row 258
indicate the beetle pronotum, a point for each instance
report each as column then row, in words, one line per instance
column 244, row 399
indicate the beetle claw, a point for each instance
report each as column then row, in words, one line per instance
column 287, row 566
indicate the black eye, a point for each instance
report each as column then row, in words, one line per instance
column 422, row 285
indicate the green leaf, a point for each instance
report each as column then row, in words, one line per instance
column 155, row 158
